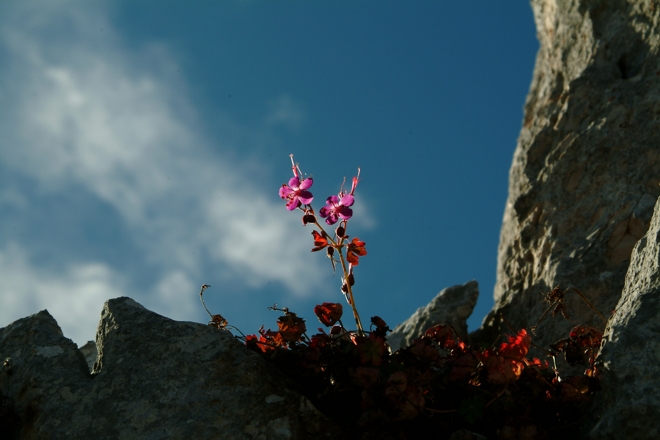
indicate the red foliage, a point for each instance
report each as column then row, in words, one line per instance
column 291, row 327
column 267, row 342
column 581, row 346
column 218, row 321
column 355, row 250
column 381, row 326
column 320, row 241
column 371, row 349
column 517, row 347
column 439, row 382
column 446, row 337
column 329, row 313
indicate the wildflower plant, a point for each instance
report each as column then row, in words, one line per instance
column 337, row 210
column 439, row 383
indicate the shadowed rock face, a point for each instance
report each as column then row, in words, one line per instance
column 154, row 378
column 629, row 404
column 585, row 173
column 452, row 306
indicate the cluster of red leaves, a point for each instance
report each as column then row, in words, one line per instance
column 290, row 330
column 355, row 251
column 437, row 384
column 581, row 347
column 329, row 313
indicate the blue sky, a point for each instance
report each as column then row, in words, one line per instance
column 143, row 145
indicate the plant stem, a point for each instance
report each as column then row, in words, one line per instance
column 589, row 304
column 201, row 292
column 358, row 323
column 338, row 247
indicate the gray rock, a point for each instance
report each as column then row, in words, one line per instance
column 154, row 378
column 584, row 177
column 629, row 404
column 89, row 351
column 452, row 306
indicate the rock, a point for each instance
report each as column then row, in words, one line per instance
column 629, row 400
column 452, row 305
column 89, row 351
column 154, row 378
column 584, row 177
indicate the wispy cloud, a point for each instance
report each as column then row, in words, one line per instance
column 73, row 296
column 81, row 112
column 285, row 111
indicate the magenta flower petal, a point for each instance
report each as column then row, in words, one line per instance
column 344, row 212
column 305, row 197
column 285, row 191
column 347, row 200
column 332, row 219
column 295, row 193
column 292, row 203
column 336, row 208
column 307, row 183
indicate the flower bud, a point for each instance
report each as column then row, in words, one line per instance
column 308, row 218
column 335, row 330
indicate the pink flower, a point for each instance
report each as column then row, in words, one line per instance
column 295, row 193
column 337, row 207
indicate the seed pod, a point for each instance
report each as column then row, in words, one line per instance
column 308, row 218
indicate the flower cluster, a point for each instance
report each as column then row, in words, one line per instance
column 296, row 192
column 338, row 246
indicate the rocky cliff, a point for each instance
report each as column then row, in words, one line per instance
column 584, row 177
column 629, row 402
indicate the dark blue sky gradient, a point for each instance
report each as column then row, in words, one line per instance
column 426, row 97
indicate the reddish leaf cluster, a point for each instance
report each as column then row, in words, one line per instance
column 218, row 321
column 290, row 330
column 355, row 251
column 505, row 365
column 320, row 241
column 438, row 382
column 329, row 313
column 581, row 346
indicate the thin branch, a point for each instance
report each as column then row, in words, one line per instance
column 204, row 287
column 589, row 304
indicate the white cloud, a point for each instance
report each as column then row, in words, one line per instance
column 74, row 296
column 285, row 111
column 83, row 113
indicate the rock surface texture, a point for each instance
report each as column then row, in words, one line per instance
column 154, row 378
column 585, row 172
column 629, row 404
column 452, row 306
